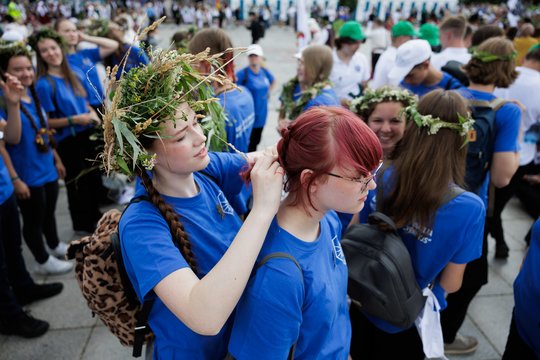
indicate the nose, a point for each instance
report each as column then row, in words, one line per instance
column 386, row 127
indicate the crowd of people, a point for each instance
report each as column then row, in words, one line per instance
column 438, row 130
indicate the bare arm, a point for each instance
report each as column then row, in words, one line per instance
column 452, row 277
column 205, row 305
column 106, row 46
column 503, row 167
column 12, row 91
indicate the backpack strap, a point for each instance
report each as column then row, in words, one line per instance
column 494, row 104
column 275, row 255
column 452, row 193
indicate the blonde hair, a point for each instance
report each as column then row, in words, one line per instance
column 318, row 62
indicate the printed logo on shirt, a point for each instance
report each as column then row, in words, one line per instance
column 87, row 62
column 224, row 204
column 338, row 251
column 414, row 229
column 357, row 68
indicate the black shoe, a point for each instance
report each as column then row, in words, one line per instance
column 37, row 292
column 23, row 325
column 501, row 250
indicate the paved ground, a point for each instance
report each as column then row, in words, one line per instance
column 75, row 334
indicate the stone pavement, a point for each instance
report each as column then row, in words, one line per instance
column 75, row 334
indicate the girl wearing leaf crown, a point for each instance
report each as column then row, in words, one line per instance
column 34, row 166
column 440, row 224
column 62, row 93
column 185, row 247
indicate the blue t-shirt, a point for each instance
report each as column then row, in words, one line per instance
column 6, row 187
column 85, row 61
column 280, row 306
column 259, row 87
column 527, row 294
column 240, row 111
column 327, row 97
column 456, row 237
column 61, row 101
column 35, row 168
column 136, row 58
column 448, row 82
column 150, row 255
column 507, row 124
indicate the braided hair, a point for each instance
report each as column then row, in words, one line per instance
column 172, row 218
column 42, row 145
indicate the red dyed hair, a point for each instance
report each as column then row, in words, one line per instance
column 321, row 138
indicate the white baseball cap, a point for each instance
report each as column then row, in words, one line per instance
column 12, row 35
column 410, row 54
column 255, row 50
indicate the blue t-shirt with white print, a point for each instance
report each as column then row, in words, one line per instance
column 85, row 61
column 35, row 168
column 282, row 306
column 456, row 236
column 150, row 255
column 240, row 110
column 448, row 82
column 59, row 100
column 258, row 85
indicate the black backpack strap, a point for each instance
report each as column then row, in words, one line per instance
column 276, row 255
column 452, row 193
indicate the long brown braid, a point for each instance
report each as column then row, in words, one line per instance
column 172, row 218
column 44, row 147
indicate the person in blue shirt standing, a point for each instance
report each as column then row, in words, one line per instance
column 184, row 246
column 441, row 237
column 34, row 167
column 237, row 103
column 17, row 288
column 311, row 85
column 295, row 305
column 63, row 95
column 413, row 68
column 85, row 60
column 524, row 338
column 492, row 65
column 260, row 82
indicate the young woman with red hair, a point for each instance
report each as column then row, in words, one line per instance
column 297, row 302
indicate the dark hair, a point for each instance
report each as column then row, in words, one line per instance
column 426, row 164
column 533, row 55
column 501, row 73
column 485, row 32
column 344, row 40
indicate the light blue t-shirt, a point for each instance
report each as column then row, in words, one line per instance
column 85, row 61
column 6, row 187
column 136, row 58
column 259, row 87
column 448, row 82
column 456, row 237
column 59, row 100
column 150, row 255
column 527, row 294
column 240, row 111
column 35, row 168
column 280, row 306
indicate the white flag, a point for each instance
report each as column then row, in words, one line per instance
column 303, row 35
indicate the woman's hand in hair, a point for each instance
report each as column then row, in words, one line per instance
column 282, row 124
column 267, row 181
column 12, row 89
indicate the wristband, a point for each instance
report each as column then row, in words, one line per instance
column 15, row 178
column 70, row 124
column 70, row 120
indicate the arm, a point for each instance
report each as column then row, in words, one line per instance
column 59, row 165
column 452, row 277
column 12, row 91
column 106, row 46
column 503, row 167
column 80, row 119
column 205, row 305
column 21, row 189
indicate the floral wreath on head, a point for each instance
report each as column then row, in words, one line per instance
column 487, row 57
column 361, row 104
column 291, row 109
column 145, row 98
column 434, row 124
column 46, row 33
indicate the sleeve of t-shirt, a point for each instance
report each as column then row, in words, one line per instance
column 508, row 121
column 269, row 314
column 45, row 95
column 471, row 230
column 339, row 221
column 92, row 54
column 147, row 248
column 226, row 169
column 269, row 75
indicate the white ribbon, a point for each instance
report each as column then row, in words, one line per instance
column 428, row 324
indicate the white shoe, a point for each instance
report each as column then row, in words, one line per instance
column 59, row 251
column 53, row 266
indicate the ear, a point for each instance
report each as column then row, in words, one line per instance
column 305, row 178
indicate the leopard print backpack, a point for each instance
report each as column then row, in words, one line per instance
column 105, row 286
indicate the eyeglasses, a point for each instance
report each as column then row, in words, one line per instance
column 364, row 181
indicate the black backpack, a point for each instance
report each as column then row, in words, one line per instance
column 481, row 141
column 382, row 281
column 454, row 68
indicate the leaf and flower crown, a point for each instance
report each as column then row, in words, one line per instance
column 145, row 98
column 434, row 124
column 362, row 104
column 291, row 108
column 487, row 57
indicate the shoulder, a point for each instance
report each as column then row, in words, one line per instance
column 466, row 205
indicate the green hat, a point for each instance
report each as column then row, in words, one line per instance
column 430, row 32
column 353, row 30
column 403, row 28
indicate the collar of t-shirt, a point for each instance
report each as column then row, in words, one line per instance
column 455, row 50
